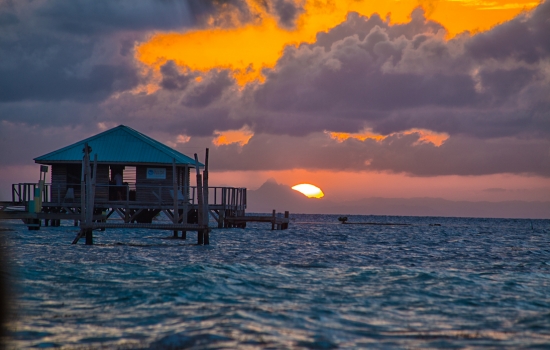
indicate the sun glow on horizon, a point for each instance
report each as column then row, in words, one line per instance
column 309, row 190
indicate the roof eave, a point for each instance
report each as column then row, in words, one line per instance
column 53, row 162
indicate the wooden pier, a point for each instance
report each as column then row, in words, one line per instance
column 277, row 221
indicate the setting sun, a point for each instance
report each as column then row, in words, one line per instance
column 309, row 190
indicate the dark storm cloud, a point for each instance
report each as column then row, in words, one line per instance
column 394, row 77
column 287, row 11
column 366, row 76
column 81, row 50
column 167, row 110
column 208, row 90
column 231, row 13
column 91, row 17
column 26, row 83
column 172, row 79
column 42, row 59
column 524, row 38
column 361, row 26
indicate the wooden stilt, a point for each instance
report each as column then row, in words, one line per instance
column 285, row 224
column 175, row 190
column 83, row 193
column 89, row 237
column 90, row 198
column 83, row 189
column 200, row 232
column 87, row 189
column 78, row 236
column 221, row 219
column 206, row 210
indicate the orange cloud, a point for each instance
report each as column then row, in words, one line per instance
column 425, row 136
column 183, row 139
column 428, row 136
column 247, row 49
column 241, row 136
column 361, row 136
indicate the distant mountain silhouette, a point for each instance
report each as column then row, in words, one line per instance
column 272, row 195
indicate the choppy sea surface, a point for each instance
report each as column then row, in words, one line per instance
column 468, row 283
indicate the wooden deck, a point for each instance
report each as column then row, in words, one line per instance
column 224, row 202
column 227, row 207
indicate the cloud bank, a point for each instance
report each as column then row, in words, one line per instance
column 73, row 64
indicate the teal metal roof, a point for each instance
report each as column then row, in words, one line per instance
column 122, row 145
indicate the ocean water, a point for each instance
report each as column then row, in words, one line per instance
column 468, row 283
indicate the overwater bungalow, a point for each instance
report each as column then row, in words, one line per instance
column 136, row 178
column 130, row 167
column 125, row 175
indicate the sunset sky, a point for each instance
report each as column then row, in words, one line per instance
column 447, row 98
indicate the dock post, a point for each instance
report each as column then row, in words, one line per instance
column 285, row 224
column 221, row 219
column 175, row 191
column 206, row 210
column 224, row 205
column 273, row 220
column 200, row 232
column 89, row 237
column 87, row 190
column 90, row 198
column 83, row 191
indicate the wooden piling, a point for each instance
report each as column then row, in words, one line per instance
column 200, row 232
column 285, row 224
column 221, row 219
column 83, row 188
column 87, row 190
column 175, row 190
column 206, row 210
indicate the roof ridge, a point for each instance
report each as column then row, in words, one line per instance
column 164, row 152
column 103, row 133
column 154, row 143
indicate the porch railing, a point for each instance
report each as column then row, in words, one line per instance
column 161, row 195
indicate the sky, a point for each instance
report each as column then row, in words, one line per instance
column 397, row 99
